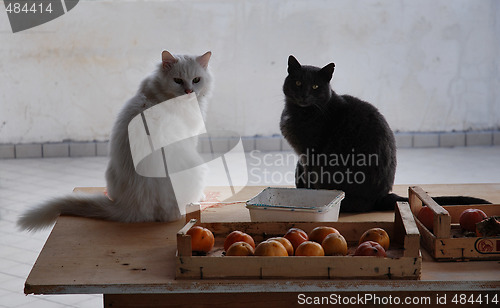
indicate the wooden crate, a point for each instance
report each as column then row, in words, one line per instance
column 446, row 242
column 403, row 262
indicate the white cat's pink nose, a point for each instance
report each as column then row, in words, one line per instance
column 188, row 91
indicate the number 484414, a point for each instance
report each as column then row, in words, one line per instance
column 462, row 299
column 19, row 8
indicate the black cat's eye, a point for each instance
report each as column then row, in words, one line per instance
column 178, row 81
column 196, row 80
column 315, row 86
column 298, row 83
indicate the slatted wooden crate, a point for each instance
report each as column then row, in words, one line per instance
column 403, row 262
column 446, row 242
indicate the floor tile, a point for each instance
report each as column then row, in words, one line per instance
column 42, row 303
column 13, row 300
column 93, row 302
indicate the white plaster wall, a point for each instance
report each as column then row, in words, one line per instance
column 428, row 65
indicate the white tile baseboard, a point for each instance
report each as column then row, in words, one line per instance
column 250, row 143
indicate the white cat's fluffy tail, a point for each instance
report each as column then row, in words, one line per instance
column 43, row 216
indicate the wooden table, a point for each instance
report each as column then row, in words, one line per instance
column 133, row 265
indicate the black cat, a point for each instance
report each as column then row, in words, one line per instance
column 343, row 142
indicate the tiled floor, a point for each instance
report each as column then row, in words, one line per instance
column 23, row 182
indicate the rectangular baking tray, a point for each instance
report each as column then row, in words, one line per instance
column 295, row 204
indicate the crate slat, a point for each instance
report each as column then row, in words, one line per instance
column 184, row 240
column 405, row 224
column 299, row 267
column 442, row 219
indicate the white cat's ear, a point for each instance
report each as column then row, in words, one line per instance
column 203, row 59
column 327, row 71
column 293, row 64
column 167, row 59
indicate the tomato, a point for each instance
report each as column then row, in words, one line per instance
column 318, row 234
column 470, row 217
column 334, row 244
column 309, row 248
column 296, row 237
column 377, row 235
column 284, row 242
column 271, row 248
column 238, row 236
column 202, row 239
column 370, row 248
column 426, row 217
column 240, row 249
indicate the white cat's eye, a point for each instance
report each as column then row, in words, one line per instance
column 178, row 81
column 315, row 86
column 196, row 80
column 298, row 83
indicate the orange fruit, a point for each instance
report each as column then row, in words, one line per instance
column 240, row 249
column 238, row 236
column 296, row 236
column 426, row 217
column 284, row 242
column 470, row 217
column 202, row 239
column 318, row 234
column 370, row 248
column 309, row 248
column 271, row 248
column 377, row 235
column 334, row 244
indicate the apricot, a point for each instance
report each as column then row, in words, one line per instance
column 202, row 239
column 370, row 248
column 470, row 217
column 238, row 236
column 334, row 244
column 284, row 242
column 309, row 248
column 318, row 234
column 296, row 236
column 240, row 249
column 271, row 248
column 376, row 235
column 426, row 217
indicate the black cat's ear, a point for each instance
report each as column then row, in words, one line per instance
column 167, row 59
column 327, row 71
column 293, row 64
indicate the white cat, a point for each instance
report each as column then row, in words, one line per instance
column 134, row 198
